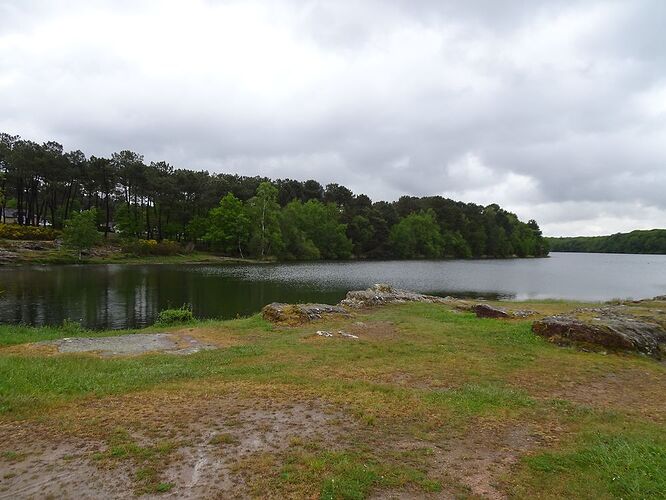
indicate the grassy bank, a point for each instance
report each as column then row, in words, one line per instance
column 427, row 402
column 46, row 253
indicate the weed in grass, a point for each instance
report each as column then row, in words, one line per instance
column 163, row 487
column 12, row 456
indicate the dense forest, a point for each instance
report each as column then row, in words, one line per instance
column 247, row 216
column 652, row 241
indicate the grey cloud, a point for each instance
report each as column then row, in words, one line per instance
column 562, row 105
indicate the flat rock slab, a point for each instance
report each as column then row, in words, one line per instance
column 138, row 343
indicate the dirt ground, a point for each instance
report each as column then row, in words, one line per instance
column 210, row 436
column 221, row 444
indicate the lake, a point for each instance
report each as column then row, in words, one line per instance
column 127, row 296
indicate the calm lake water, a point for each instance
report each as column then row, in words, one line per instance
column 122, row 296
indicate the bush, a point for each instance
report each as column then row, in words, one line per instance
column 80, row 231
column 175, row 316
column 152, row 247
column 18, row 232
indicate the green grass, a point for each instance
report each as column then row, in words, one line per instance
column 21, row 334
column 311, row 471
column 433, row 375
column 611, row 465
column 27, row 383
column 473, row 400
column 11, row 456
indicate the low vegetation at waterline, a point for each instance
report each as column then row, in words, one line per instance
column 420, row 400
column 243, row 216
column 175, row 316
column 652, row 241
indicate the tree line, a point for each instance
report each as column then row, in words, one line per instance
column 248, row 216
column 651, row 241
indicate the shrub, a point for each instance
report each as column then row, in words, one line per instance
column 152, row 247
column 175, row 316
column 81, row 231
column 18, row 232
column 167, row 247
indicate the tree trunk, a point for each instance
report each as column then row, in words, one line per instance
column 108, row 216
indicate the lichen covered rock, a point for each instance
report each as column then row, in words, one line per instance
column 381, row 294
column 297, row 314
column 611, row 331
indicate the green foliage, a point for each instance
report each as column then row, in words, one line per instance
column 240, row 215
column 417, row 236
column 175, row 316
column 263, row 210
column 455, row 245
column 313, row 230
column 642, row 242
column 196, row 229
column 228, row 226
column 80, row 231
column 17, row 232
column 361, row 232
column 128, row 222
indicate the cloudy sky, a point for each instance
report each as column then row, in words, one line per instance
column 554, row 109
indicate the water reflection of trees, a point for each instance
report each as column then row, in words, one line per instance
column 117, row 296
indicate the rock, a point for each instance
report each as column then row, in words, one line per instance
column 385, row 294
column 346, row 335
column 488, row 311
column 134, row 344
column 297, row 314
column 7, row 257
column 523, row 313
column 611, row 331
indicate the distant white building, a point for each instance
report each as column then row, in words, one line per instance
column 9, row 216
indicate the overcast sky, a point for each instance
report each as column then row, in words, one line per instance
column 556, row 110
